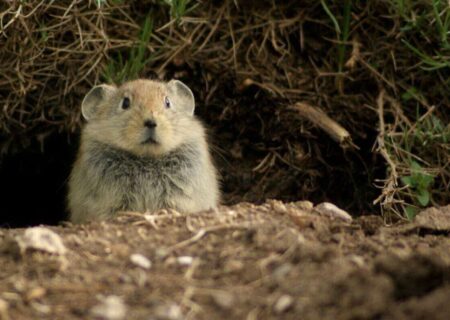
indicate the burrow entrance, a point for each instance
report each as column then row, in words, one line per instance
column 262, row 149
column 33, row 182
column 258, row 160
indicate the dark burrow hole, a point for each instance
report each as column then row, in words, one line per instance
column 33, row 182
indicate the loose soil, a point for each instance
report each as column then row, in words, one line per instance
column 273, row 261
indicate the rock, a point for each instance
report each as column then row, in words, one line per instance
column 330, row 210
column 357, row 260
column 185, row 260
column 282, row 271
column 168, row 312
column 223, row 299
column 41, row 239
column 283, row 303
column 41, row 308
column 35, row 293
column 233, row 265
column 434, row 219
column 140, row 261
column 110, row 308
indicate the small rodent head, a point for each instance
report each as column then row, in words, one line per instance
column 144, row 117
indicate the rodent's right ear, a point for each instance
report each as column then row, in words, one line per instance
column 91, row 102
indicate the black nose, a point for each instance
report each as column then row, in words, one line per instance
column 149, row 132
column 150, row 124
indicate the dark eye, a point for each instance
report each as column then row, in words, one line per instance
column 167, row 102
column 125, row 103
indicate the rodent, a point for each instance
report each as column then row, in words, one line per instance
column 141, row 149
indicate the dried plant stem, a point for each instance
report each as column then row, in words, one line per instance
column 390, row 184
column 323, row 121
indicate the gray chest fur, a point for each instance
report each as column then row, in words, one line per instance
column 140, row 183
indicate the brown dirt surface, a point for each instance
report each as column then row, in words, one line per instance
column 273, row 261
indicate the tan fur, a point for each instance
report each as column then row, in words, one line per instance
column 114, row 170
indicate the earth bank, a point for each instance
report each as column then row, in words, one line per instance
column 273, row 261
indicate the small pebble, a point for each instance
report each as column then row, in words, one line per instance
column 140, row 261
column 41, row 308
column 223, row 299
column 162, row 253
column 110, row 308
column 168, row 312
column 185, row 260
column 233, row 266
column 283, row 303
column 357, row 260
column 42, row 239
column 282, row 271
column 35, row 293
column 332, row 211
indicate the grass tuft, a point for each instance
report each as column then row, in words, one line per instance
column 342, row 30
column 178, row 8
column 129, row 67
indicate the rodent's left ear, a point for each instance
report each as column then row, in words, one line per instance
column 94, row 98
column 181, row 96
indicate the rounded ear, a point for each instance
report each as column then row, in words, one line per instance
column 181, row 96
column 94, row 98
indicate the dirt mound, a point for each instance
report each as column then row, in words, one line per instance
column 274, row 261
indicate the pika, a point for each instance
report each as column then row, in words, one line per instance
column 141, row 149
